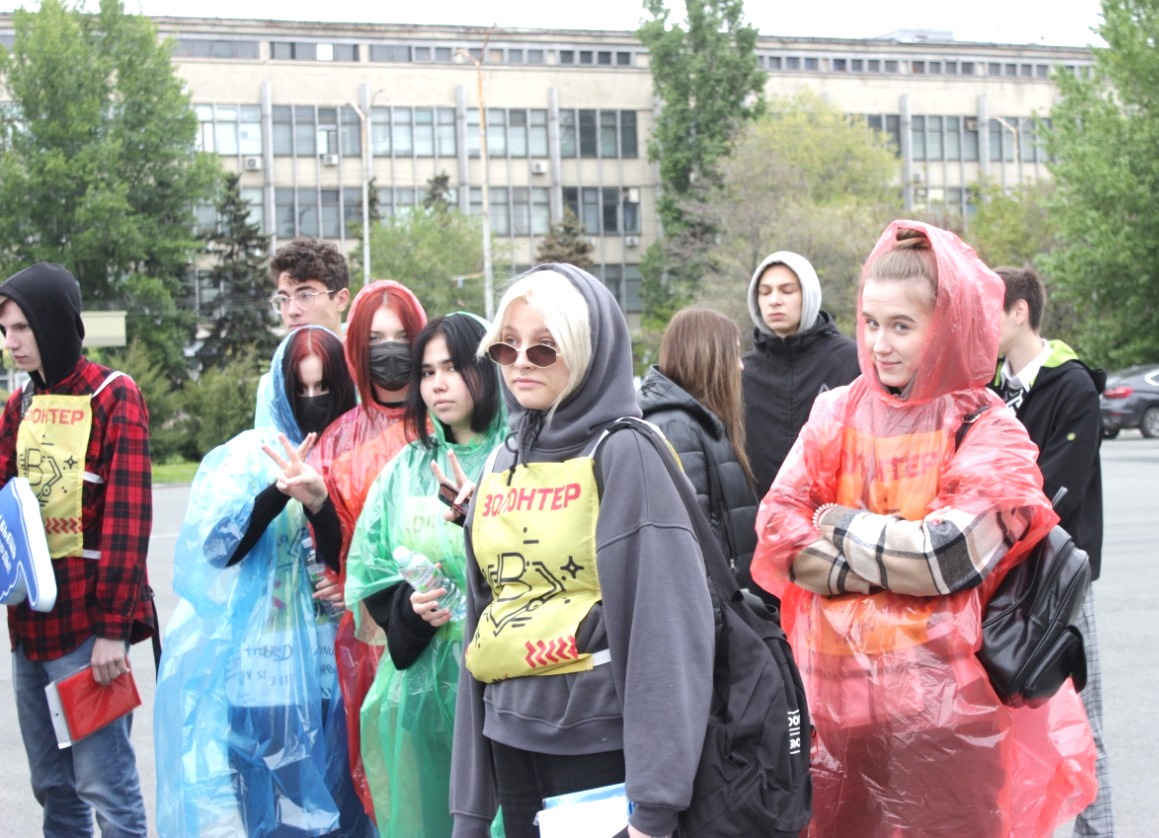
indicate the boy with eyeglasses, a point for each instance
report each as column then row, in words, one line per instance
column 313, row 289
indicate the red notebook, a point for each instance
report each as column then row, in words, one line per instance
column 80, row 706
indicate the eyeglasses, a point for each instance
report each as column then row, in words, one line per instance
column 303, row 298
column 539, row 354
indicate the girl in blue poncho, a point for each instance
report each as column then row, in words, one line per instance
column 407, row 718
column 248, row 670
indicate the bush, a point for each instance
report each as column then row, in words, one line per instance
column 220, row 404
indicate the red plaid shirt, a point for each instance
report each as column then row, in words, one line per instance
column 102, row 597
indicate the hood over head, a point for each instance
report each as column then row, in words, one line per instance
column 356, row 345
column 283, row 412
column 49, row 297
column 810, row 289
column 963, row 341
column 606, row 390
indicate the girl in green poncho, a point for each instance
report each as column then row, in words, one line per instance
column 408, row 715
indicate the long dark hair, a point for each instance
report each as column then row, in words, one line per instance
column 462, row 332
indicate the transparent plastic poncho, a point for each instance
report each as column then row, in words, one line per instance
column 246, row 739
column 350, row 454
column 408, row 715
column 908, row 731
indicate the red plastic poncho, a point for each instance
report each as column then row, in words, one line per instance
column 908, row 732
column 350, row 455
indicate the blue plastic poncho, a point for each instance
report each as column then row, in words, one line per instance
column 247, row 680
column 408, row 715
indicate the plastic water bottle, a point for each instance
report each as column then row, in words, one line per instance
column 317, row 571
column 423, row 576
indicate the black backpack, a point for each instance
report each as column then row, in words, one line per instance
column 753, row 777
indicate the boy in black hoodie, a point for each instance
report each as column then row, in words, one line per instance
column 1056, row 396
column 79, row 433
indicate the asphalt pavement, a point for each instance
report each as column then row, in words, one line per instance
column 1127, row 609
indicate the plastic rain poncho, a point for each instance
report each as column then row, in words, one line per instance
column 247, row 675
column 908, row 731
column 351, row 453
column 408, row 716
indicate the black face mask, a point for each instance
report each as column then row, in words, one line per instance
column 390, row 364
column 313, row 413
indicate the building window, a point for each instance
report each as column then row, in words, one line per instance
column 812, row 65
column 214, row 48
column 774, row 62
column 623, row 59
column 968, row 68
column 891, row 66
column 875, row 65
column 398, row 200
column 857, row 65
column 567, row 56
column 840, row 65
column 918, row 68
column 306, row 51
column 535, row 56
column 918, row 137
column 605, row 210
column 392, row 53
column 792, row 63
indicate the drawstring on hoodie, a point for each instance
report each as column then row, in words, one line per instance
column 528, row 434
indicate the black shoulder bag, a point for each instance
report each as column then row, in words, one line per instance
column 1030, row 645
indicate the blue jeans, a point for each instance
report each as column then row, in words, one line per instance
column 97, row 773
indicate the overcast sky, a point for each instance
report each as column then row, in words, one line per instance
column 1060, row 23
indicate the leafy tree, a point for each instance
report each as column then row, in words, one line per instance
column 707, row 79
column 220, row 404
column 99, row 171
column 436, row 254
column 804, row 177
column 1013, row 228
column 1104, row 148
column 168, row 423
column 566, row 242
column 241, row 314
column 438, row 195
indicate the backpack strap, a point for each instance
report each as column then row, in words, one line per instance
column 723, row 587
column 968, row 422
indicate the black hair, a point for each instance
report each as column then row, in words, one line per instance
column 462, row 332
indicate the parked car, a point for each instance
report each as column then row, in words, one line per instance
column 1131, row 400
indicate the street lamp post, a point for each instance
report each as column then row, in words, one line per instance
column 363, row 124
column 1017, row 145
column 488, row 273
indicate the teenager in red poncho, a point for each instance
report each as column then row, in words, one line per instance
column 385, row 319
column 883, row 540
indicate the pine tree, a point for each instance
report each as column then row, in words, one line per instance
column 241, row 314
column 565, row 242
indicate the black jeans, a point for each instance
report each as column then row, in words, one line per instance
column 525, row 778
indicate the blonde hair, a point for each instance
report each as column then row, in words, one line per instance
column 565, row 314
column 911, row 258
column 700, row 351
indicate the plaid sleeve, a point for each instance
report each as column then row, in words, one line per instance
column 948, row 550
column 128, row 508
column 822, row 569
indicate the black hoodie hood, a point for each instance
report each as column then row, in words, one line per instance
column 49, row 297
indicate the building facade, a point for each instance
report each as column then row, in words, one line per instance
column 316, row 115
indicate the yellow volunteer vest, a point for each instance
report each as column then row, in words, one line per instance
column 535, row 541
column 50, row 451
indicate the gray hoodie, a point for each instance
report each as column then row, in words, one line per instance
column 810, row 289
column 652, row 700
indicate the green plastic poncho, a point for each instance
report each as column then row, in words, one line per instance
column 408, row 715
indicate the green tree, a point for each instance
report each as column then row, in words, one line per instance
column 566, row 242
column 241, row 315
column 1104, row 152
column 99, row 171
column 1013, row 228
column 706, row 77
column 168, row 422
column 436, row 254
column 220, row 404
column 804, row 177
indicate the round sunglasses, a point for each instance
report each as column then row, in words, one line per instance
column 539, row 354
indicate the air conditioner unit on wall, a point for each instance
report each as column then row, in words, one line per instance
column 971, row 123
column 329, row 159
column 631, row 241
column 539, row 167
column 252, row 164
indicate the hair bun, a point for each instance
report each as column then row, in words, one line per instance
column 912, row 240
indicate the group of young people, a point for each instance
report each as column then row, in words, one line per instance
column 308, row 688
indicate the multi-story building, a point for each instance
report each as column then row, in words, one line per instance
column 311, row 113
